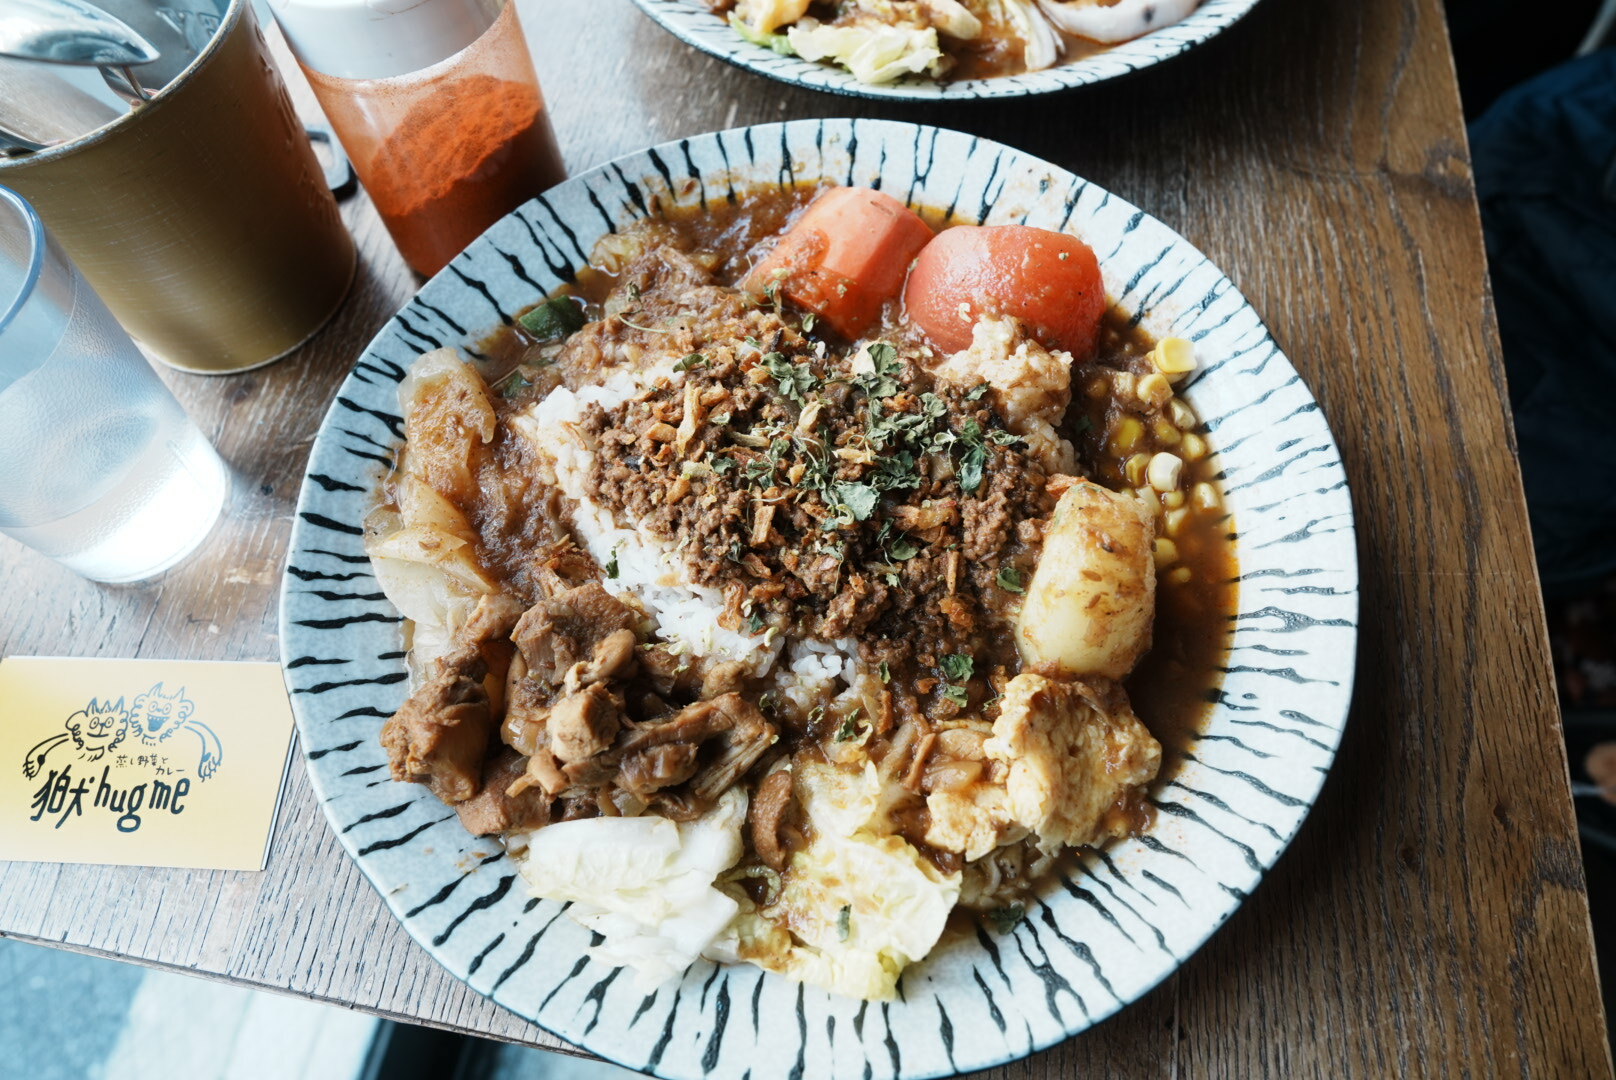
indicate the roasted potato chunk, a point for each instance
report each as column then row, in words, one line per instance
column 1091, row 601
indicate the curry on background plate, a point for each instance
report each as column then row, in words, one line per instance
column 879, row 41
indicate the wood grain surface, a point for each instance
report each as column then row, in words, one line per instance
column 1430, row 919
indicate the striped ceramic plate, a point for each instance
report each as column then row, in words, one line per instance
column 694, row 23
column 1102, row 935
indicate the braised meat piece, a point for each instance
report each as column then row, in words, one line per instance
column 439, row 736
column 709, row 744
column 649, row 771
column 767, row 815
column 728, row 677
column 493, row 619
column 527, row 709
column 493, row 811
column 671, row 674
column 558, row 633
column 744, row 739
column 735, row 723
column 583, row 724
column 581, row 637
column 613, row 658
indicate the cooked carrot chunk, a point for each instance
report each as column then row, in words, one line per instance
column 1048, row 280
column 844, row 258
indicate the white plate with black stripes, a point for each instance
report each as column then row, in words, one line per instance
column 1100, row 936
column 694, row 23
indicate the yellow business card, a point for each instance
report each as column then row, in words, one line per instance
column 141, row 762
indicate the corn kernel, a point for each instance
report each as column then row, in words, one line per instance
column 1122, row 384
column 1206, row 496
column 1134, row 469
column 1154, row 390
column 1181, row 414
column 1098, row 387
column 1164, row 470
column 1173, row 357
column 1166, row 552
column 1175, row 520
column 1172, row 499
column 1165, row 433
column 1127, row 435
column 1180, row 576
column 1149, row 501
column 1193, row 448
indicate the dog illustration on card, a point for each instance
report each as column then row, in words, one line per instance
column 148, row 723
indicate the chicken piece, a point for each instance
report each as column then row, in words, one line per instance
column 448, row 418
column 489, row 625
column 493, row 810
column 1092, row 600
column 583, row 724
column 1032, row 386
column 1075, row 753
column 543, row 772
column 440, row 734
column 557, row 633
column 653, row 757
column 678, row 674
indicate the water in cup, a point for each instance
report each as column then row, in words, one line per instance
column 102, row 470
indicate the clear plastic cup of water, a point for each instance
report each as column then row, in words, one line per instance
column 100, row 468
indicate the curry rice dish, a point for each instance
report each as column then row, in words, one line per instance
column 800, row 582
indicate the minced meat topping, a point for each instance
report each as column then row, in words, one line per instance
column 839, row 496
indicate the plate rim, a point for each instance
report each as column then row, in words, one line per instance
column 781, row 130
column 749, row 57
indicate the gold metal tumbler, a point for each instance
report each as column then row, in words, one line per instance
column 202, row 217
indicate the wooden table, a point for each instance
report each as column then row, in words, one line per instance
column 1431, row 917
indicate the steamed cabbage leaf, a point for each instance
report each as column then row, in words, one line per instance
column 873, row 52
column 644, row 883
